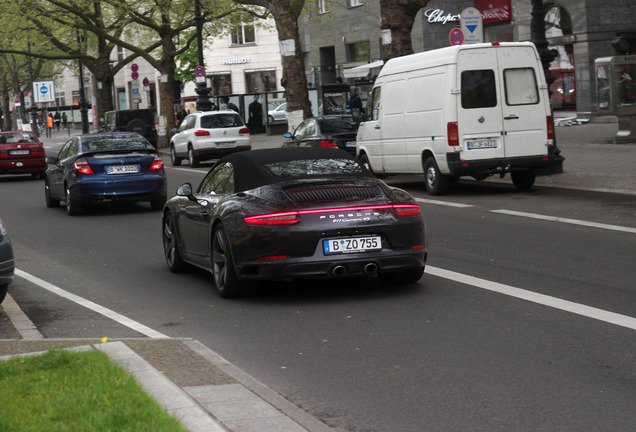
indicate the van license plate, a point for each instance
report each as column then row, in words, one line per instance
column 473, row 145
column 351, row 245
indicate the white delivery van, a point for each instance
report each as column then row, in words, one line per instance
column 469, row 110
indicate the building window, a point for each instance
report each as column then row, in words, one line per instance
column 221, row 84
column 322, row 6
column 260, row 81
column 120, row 53
column 354, row 3
column 243, row 34
column 359, row 51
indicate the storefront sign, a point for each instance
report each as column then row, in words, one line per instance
column 494, row 11
column 438, row 16
column 236, row 61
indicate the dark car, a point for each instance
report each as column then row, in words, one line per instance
column 105, row 167
column 278, row 214
column 21, row 152
column 141, row 121
column 336, row 131
column 6, row 261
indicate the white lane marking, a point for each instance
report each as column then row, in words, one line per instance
column 92, row 306
column 444, row 203
column 20, row 321
column 568, row 221
column 565, row 305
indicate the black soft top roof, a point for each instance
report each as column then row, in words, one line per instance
column 250, row 171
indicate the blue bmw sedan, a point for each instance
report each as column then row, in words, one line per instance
column 105, row 167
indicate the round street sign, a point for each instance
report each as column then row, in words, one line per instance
column 456, row 36
column 134, row 75
column 199, row 71
column 134, row 67
column 146, row 82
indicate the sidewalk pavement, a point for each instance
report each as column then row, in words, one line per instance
column 210, row 394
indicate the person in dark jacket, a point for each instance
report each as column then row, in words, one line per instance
column 355, row 104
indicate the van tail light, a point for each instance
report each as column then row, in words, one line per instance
column 452, row 133
column 327, row 144
column 82, row 166
column 550, row 127
column 201, row 132
column 156, row 164
column 244, row 131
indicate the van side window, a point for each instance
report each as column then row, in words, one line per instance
column 478, row 89
column 521, row 86
column 374, row 104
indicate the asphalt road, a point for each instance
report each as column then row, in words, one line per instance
column 520, row 323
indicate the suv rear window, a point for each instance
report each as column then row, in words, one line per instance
column 221, row 121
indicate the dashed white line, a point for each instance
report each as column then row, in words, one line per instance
column 567, row 221
column 444, row 203
column 92, row 306
column 564, row 305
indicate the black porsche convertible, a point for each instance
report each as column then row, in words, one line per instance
column 292, row 213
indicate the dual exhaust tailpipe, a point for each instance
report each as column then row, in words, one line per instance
column 340, row 270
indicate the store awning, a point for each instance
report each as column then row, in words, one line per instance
column 361, row 71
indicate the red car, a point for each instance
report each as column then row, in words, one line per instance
column 21, row 152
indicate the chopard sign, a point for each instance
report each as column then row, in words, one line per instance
column 435, row 16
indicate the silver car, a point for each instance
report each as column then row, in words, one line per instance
column 207, row 135
column 7, row 263
column 278, row 114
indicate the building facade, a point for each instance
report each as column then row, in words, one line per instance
column 348, row 35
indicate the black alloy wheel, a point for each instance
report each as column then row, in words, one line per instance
column 170, row 246
column 50, row 202
column 227, row 284
column 73, row 206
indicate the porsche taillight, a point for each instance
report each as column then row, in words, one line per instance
column 286, row 218
column 82, row 166
column 407, row 209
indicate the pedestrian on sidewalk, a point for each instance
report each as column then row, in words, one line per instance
column 58, row 120
column 64, row 120
column 49, row 125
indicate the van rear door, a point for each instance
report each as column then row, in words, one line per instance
column 501, row 112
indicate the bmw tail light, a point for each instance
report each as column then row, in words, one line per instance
column 82, row 166
column 328, row 144
column 286, row 218
column 156, row 164
column 452, row 133
column 407, row 209
column 550, row 127
column 244, row 131
column 201, row 132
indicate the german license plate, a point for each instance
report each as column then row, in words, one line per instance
column 19, row 152
column 224, row 144
column 482, row 144
column 350, row 144
column 351, row 245
column 122, row 169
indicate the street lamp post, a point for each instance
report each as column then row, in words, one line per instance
column 203, row 101
column 82, row 102
column 34, row 115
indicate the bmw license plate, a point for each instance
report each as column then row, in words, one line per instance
column 19, row 152
column 473, row 145
column 122, row 169
column 351, row 245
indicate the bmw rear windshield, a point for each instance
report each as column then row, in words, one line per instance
column 314, row 167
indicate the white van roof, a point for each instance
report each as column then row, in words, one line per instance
column 437, row 57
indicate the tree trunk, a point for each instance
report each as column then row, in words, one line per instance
column 397, row 18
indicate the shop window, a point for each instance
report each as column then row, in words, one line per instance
column 221, row 84
column 359, row 51
column 260, row 81
column 243, row 34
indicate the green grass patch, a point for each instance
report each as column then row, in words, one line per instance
column 76, row 391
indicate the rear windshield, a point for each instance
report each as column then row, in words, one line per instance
column 17, row 137
column 146, row 116
column 221, row 121
column 331, row 126
column 107, row 143
column 311, row 167
column 478, row 89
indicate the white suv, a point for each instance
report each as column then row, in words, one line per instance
column 208, row 135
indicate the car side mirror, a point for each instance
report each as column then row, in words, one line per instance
column 50, row 160
column 287, row 135
column 185, row 190
column 174, row 130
